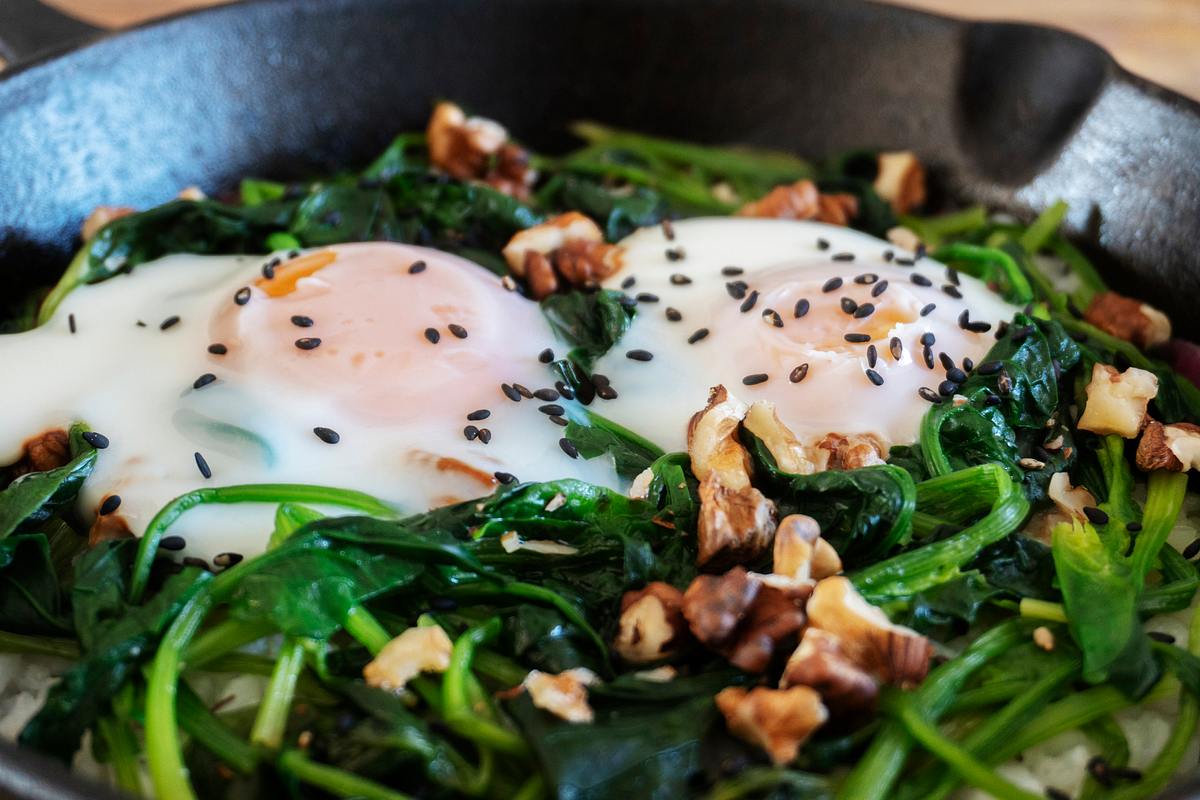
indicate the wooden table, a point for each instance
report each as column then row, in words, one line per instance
column 1159, row 39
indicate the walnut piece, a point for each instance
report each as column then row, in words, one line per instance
column 652, row 627
column 713, row 445
column 735, row 525
column 569, row 246
column 802, row 200
column 819, row 662
column 417, row 650
column 854, row 450
column 1070, row 500
column 901, row 181
column 1174, row 447
column 777, row 720
column 1116, row 401
column 790, row 455
column 564, row 695
column 48, row 450
column 800, row 553
column 903, row 237
column 101, row 216
column 892, row 653
column 512, row 541
column 1129, row 319
column 742, row 617
column 476, row 148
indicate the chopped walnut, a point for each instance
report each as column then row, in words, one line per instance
column 651, row 627
column 802, row 200
column 48, row 450
column 713, row 444
column 639, row 489
column 664, row 674
column 1129, row 319
column 800, row 553
column 569, row 246
column 1116, row 401
column 564, row 695
column 735, row 525
column 892, row 653
column 1174, row 447
column 820, row 663
column 852, row 451
column 790, row 455
column 1070, row 500
column 511, row 541
column 743, row 617
column 193, row 193
column 476, row 148
column 901, row 181
column 417, row 650
column 905, row 238
column 1043, row 637
column 101, row 216
column 777, row 720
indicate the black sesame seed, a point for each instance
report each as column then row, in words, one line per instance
column 990, row 367
column 964, row 319
column 952, row 276
column 668, row 230
column 1133, row 527
column 929, row 394
column 203, row 380
column 416, row 267
column 968, row 364
column 953, row 291
column 843, row 256
column 737, row 289
column 991, row 400
column 96, row 440
column 1095, row 515
column 639, row 355
column 680, row 280
column 485, row 435
column 71, row 323
column 802, row 306
column 896, row 347
column 628, row 282
column 875, row 377
column 218, row 349
column 799, row 373
column 172, row 543
column 568, row 447
column 510, row 393
column 888, row 255
column 676, row 254
column 432, row 335
column 921, row 250
column 822, row 244
column 1001, row 330
column 927, row 310
column 772, row 317
column 920, row 280
column 564, row 390
column 832, row 285
column 546, row 356
column 327, row 435
column 606, row 393
column 905, row 262
column 647, row 297
column 301, row 321
column 946, row 361
column 549, row 395
column 1056, row 794
column 866, row 279
column 927, row 354
column 110, row 504
column 202, row 465
column 458, row 330
column 864, row 311
column 879, row 288
column 242, row 296
column 552, row 409
column 749, row 302
column 471, row 432
column 697, row 335
column 673, row 314
column 226, row 560
column 928, row 339
column 1192, row 550
column 872, row 355
column 293, row 254
column 169, row 322
column 1159, row 636
column 979, row 326
column 505, row 477
column 947, row 388
column 857, row 338
column 731, row 272
column 598, row 378
column 955, row 374
column 479, row 414
column 308, row 343
column 140, row 324
column 562, row 422
column 848, row 305
column 755, row 379
column 268, row 269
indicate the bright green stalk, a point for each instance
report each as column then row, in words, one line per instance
column 223, row 638
column 457, row 708
column 978, row 260
column 123, row 753
column 1164, row 499
column 271, row 720
column 1090, row 282
column 164, row 750
column 215, row 736
column 988, row 695
column 1031, row 608
column 38, row 645
column 934, row 230
column 756, row 781
column 66, row 284
column 1038, row 234
column 532, row 789
column 366, row 630
column 337, row 782
column 247, row 493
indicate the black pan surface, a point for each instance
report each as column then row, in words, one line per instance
column 1011, row 115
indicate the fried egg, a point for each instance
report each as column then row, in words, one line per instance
column 399, row 371
column 843, row 332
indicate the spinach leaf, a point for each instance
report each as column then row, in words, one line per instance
column 36, row 496
column 118, row 646
column 863, row 513
column 620, row 212
column 590, row 322
column 1020, row 565
column 594, row 436
column 30, row 598
column 948, row 609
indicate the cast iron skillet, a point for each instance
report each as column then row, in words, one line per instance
column 1011, row 115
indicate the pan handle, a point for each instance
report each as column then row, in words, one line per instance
column 29, row 28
